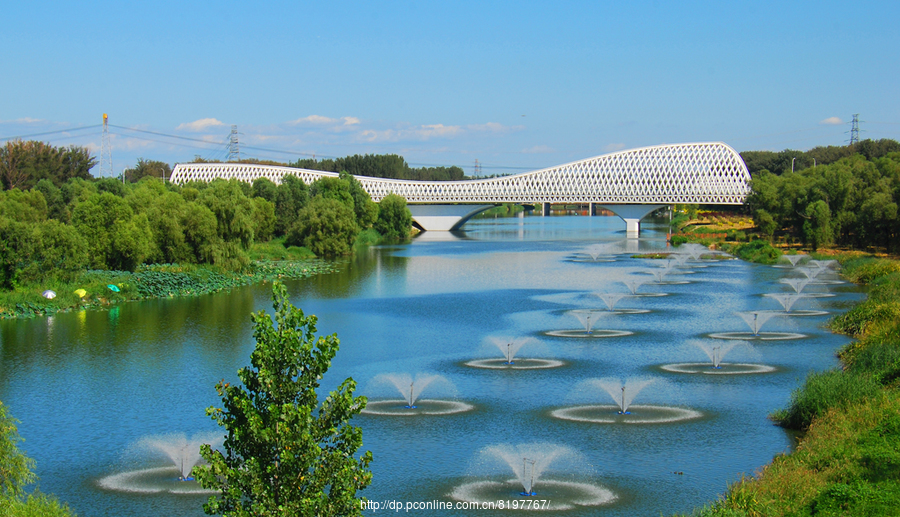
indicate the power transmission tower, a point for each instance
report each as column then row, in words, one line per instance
column 105, row 151
column 477, row 168
column 854, row 130
column 234, row 151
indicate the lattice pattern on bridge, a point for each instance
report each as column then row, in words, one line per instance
column 680, row 173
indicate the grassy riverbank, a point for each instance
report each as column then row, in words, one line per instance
column 152, row 281
column 848, row 462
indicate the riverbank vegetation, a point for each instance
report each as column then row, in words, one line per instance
column 843, row 200
column 843, row 197
column 848, row 461
column 62, row 230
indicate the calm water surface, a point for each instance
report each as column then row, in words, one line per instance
column 87, row 386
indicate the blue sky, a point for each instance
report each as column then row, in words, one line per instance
column 515, row 85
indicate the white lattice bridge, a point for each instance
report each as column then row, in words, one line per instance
column 631, row 183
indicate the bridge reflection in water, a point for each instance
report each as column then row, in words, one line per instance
column 631, row 183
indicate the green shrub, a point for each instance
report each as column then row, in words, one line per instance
column 866, row 269
column 821, row 392
column 394, row 218
column 325, row 226
column 367, row 238
column 737, row 235
column 758, row 251
column 855, row 321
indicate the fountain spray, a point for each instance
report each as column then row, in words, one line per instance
column 410, row 406
column 530, row 491
column 622, row 405
column 184, row 476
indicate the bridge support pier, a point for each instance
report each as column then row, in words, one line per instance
column 592, row 209
column 444, row 217
column 632, row 215
column 545, row 208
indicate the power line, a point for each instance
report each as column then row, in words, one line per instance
column 164, row 142
column 20, row 137
column 227, row 146
column 162, row 134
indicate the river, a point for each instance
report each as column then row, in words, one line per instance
column 89, row 386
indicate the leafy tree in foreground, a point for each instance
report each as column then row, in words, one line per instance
column 285, row 454
column 16, row 473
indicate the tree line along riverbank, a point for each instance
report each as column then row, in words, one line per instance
column 62, row 231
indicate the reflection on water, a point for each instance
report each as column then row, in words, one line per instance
column 88, row 384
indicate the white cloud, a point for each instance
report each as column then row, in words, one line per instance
column 611, row 148
column 832, row 121
column 199, row 125
column 436, row 130
column 539, row 149
column 424, row 132
column 313, row 120
column 493, row 127
column 319, row 120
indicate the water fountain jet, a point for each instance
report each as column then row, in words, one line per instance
column 587, row 318
column 755, row 320
column 633, row 283
column 411, row 389
column 794, row 259
column 623, row 412
column 181, row 454
column 533, row 467
column 509, row 347
column 716, row 352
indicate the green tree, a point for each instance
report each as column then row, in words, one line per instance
column 765, row 223
column 365, row 209
column 263, row 219
column 394, row 218
column 291, row 196
column 148, row 168
column 199, row 224
column 16, row 248
column 817, row 227
column 117, row 238
column 16, row 473
column 15, row 467
column 24, row 206
column 284, row 454
column 326, row 226
column 332, row 188
column 77, row 189
column 58, row 251
column 23, row 164
column 111, row 185
column 56, row 203
column 233, row 210
column 266, row 189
